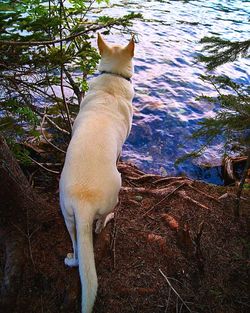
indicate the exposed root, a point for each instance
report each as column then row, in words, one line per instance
column 132, row 171
column 204, row 194
column 183, row 194
column 143, row 178
column 155, row 191
column 138, row 190
column 169, row 180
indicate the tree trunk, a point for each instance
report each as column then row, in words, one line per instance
column 18, row 204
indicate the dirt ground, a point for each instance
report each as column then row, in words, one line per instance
column 173, row 246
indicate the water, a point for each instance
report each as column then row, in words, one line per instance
column 167, row 80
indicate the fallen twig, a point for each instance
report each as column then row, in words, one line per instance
column 30, row 178
column 35, row 148
column 29, row 243
column 46, row 139
column 230, row 197
column 51, row 164
column 28, row 236
column 75, row 87
column 62, row 72
column 41, row 300
column 56, row 126
column 198, row 252
column 169, row 294
column 137, row 290
column 170, row 285
column 114, row 235
column 43, row 167
column 166, row 197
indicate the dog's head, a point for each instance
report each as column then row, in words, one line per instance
column 116, row 59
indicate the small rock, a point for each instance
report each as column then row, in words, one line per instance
column 138, row 198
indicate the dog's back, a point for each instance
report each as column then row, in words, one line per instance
column 99, row 131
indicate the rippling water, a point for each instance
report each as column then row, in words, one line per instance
column 167, row 79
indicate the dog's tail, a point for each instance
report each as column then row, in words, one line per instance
column 84, row 223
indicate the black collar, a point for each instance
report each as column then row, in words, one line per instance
column 115, row 74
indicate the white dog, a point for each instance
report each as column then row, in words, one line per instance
column 90, row 181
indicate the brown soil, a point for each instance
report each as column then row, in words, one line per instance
column 172, row 247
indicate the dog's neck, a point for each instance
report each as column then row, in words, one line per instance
column 116, row 74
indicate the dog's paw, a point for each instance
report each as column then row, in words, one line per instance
column 70, row 260
column 108, row 218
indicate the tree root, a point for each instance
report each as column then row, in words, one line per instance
column 143, row 178
column 204, row 194
column 124, row 169
column 183, row 194
column 169, row 180
column 157, row 191
column 19, row 211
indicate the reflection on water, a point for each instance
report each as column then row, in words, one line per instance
column 167, row 79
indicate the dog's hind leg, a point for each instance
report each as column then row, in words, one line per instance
column 103, row 221
column 71, row 258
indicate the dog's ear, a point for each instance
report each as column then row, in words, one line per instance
column 130, row 48
column 102, row 46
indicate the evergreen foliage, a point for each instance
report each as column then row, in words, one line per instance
column 232, row 117
column 46, row 56
column 220, row 51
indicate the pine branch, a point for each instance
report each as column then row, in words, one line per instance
column 95, row 28
column 220, row 51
